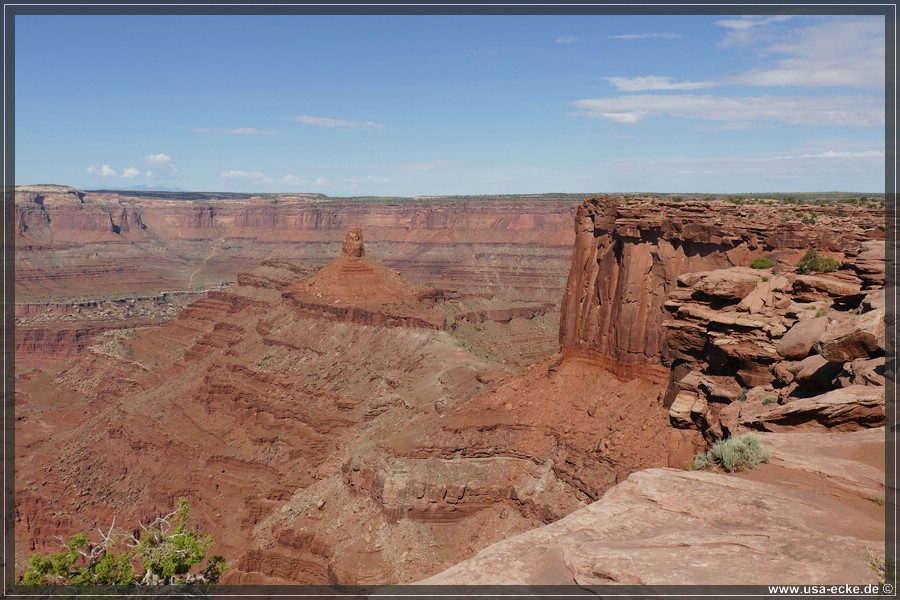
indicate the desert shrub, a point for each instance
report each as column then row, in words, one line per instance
column 770, row 399
column 885, row 569
column 813, row 263
column 762, row 263
column 742, row 395
column 166, row 550
column 745, row 451
column 701, row 461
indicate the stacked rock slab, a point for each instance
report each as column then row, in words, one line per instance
column 630, row 252
column 803, row 351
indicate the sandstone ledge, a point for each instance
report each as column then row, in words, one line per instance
column 670, row 527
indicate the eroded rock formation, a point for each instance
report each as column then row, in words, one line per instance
column 801, row 351
column 299, row 404
column 288, row 419
column 630, row 253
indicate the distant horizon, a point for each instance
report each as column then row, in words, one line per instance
column 416, row 105
column 532, row 193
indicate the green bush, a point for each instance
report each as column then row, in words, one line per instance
column 167, row 550
column 770, row 399
column 745, row 451
column 762, row 263
column 813, row 263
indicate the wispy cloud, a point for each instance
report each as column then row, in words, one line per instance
column 238, row 131
column 744, row 31
column 751, row 21
column 796, row 110
column 655, row 82
column 130, row 172
column 834, row 53
column 159, row 166
column 566, row 39
column 330, row 122
column 646, row 36
column 104, row 171
column 237, row 174
column 784, row 171
column 260, row 178
column 879, row 154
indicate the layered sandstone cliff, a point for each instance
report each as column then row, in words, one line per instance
column 630, row 252
column 86, row 244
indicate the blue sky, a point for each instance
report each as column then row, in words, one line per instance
column 417, row 105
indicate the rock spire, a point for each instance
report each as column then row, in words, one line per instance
column 353, row 244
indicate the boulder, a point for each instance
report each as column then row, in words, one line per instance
column 729, row 284
column 817, row 372
column 784, row 372
column 845, row 409
column 869, row 263
column 861, row 336
column 873, row 300
column 831, row 285
column 797, row 343
column 720, row 389
column 763, row 295
column 863, row 372
column 680, row 411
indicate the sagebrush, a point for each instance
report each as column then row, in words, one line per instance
column 744, row 451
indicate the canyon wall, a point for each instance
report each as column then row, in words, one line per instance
column 85, row 244
column 629, row 253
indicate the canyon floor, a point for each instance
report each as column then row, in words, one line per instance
column 450, row 392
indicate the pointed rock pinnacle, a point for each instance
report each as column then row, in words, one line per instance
column 353, row 245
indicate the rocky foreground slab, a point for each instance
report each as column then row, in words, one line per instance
column 778, row 524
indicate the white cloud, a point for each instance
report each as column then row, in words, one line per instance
column 104, row 171
column 646, row 36
column 238, row 131
column 130, row 172
column 749, row 22
column 160, row 166
column 879, row 154
column 745, row 31
column 655, row 82
column 329, row 122
column 320, row 181
column 160, row 158
column 566, row 39
column 839, row 52
column 796, row 110
column 236, row 174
